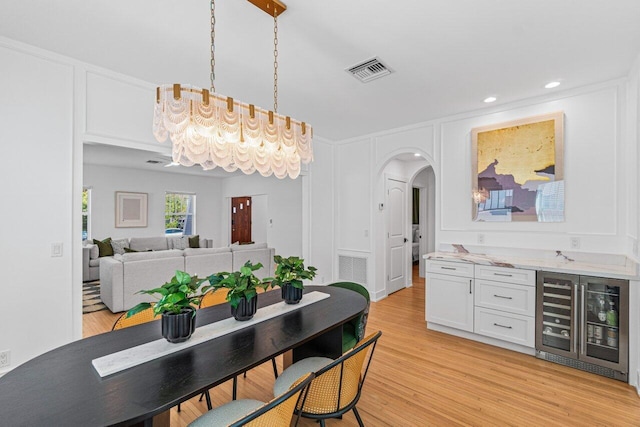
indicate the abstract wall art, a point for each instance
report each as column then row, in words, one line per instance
column 517, row 170
column 131, row 209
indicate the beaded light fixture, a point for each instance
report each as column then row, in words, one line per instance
column 213, row 130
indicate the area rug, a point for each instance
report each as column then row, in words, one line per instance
column 91, row 301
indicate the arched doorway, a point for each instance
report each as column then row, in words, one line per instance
column 394, row 248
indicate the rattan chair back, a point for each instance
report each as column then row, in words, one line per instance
column 140, row 317
column 336, row 388
column 214, row 298
column 279, row 411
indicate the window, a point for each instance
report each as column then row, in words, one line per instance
column 86, row 213
column 179, row 213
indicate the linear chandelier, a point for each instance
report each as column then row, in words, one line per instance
column 213, row 130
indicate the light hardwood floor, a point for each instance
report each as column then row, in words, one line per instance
column 424, row 378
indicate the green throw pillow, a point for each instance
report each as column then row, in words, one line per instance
column 104, row 247
column 194, row 242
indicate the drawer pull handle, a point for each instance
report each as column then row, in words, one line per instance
column 503, row 274
column 448, row 268
column 502, row 326
column 501, row 296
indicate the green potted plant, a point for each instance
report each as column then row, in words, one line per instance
column 289, row 275
column 177, row 301
column 242, row 289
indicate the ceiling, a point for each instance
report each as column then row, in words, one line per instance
column 123, row 157
column 447, row 55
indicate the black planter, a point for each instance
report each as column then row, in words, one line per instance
column 178, row 327
column 245, row 309
column 291, row 294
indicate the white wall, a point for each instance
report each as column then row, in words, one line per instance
column 36, row 134
column 594, row 202
column 353, row 196
column 105, row 181
column 322, row 211
column 284, row 209
column 259, row 218
column 360, row 166
column 596, row 169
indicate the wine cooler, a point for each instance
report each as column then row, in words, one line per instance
column 583, row 322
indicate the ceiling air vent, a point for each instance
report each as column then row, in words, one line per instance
column 369, row 70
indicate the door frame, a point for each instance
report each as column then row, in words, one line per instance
column 378, row 267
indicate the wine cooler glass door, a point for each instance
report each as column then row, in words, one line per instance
column 604, row 323
column 558, row 310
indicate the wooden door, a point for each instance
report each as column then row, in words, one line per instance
column 241, row 219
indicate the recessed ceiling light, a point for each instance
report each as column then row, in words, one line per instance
column 417, row 154
column 551, row 85
column 490, row 99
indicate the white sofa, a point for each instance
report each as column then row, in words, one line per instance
column 122, row 276
column 91, row 259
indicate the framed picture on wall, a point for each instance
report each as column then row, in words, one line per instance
column 518, row 170
column 131, row 209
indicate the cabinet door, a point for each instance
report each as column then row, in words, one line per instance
column 450, row 301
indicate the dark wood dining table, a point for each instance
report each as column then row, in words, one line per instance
column 62, row 388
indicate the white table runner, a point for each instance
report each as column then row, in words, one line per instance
column 125, row 359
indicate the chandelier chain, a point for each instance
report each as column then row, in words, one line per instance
column 213, row 48
column 275, row 60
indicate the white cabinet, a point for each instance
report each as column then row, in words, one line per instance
column 494, row 302
column 505, row 304
column 450, row 301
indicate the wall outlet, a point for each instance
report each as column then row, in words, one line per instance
column 5, row 358
column 366, row 233
column 480, row 238
column 575, row 243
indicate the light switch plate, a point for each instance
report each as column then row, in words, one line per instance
column 56, row 249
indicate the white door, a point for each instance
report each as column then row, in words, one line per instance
column 396, row 235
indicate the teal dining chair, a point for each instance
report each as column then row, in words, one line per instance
column 353, row 331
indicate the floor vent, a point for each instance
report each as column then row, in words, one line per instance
column 368, row 70
column 352, row 269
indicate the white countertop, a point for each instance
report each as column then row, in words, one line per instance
column 601, row 265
